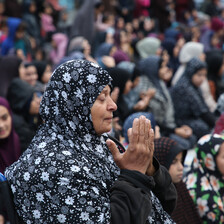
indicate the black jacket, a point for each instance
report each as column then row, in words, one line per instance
column 130, row 195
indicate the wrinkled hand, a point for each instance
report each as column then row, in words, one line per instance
column 139, row 154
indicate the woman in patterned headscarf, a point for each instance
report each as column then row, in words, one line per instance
column 205, row 179
column 171, row 155
column 68, row 175
column 190, row 107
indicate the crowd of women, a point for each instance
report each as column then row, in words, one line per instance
column 101, row 103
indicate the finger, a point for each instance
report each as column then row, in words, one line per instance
column 142, row 120
column 135, row 131
column 147, row 129
column 151, row 140
column 113, row 149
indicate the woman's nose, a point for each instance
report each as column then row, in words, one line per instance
column 112, row 105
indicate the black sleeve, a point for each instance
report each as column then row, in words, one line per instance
column 130, row 198
column 209, row 118
column 164, row 188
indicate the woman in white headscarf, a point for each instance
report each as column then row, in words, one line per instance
column 72, row 172
column 187, row 52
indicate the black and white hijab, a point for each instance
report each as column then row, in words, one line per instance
column 66, row 174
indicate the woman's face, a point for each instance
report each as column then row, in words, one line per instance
column 176, row 168
column 102, row 112
column 199, row 77
column 5, row 122
column 47, row 74
column 220, row 159
column 29, row 75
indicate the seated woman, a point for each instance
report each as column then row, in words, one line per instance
column 205, row 179
column 190, row 107
column 154, row 75
column 72, row 172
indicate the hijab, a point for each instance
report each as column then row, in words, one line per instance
column 186, row 97
column 8, row 72
column 205, row 182
column 129, row 122
column 66, row 173
column 187, row 52
column 166, row 150
column 214, row 60
column 148, row 46
column 10, row 146
column 152, row 71
column 40, row 66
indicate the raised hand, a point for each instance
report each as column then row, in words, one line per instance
column 139, row 154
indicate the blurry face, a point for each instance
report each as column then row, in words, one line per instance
column 102, row 112
column 165, row 73
column 176, row 168
column 5, row 122
column 86, row 46
column 220, row 159
column 47, row 74
column 128, row 87
column 29, row 75
column 199, row 77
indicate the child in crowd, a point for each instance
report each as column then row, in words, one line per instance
column 171, row 155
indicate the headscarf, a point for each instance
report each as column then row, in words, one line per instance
column 8, row 43
column 205, row 182
column 165, row 151
column 10, row 146
column 120, row 56
column 103, row 49
column 8, row 72
column 148, row 46
column 214, row 60
column 187, row 52
column 150, row 67
column 120, row 77
column 75, row 44
column 40, row 66
column 66, row 174
column 61, row 41
column 187, row 99
column 129, row 122
column 67, row 157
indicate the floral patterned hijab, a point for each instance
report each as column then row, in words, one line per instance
column 205, row 182
column 66, row 174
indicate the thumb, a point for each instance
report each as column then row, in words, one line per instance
column 113, row 149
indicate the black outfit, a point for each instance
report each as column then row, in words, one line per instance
column 19, row 96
